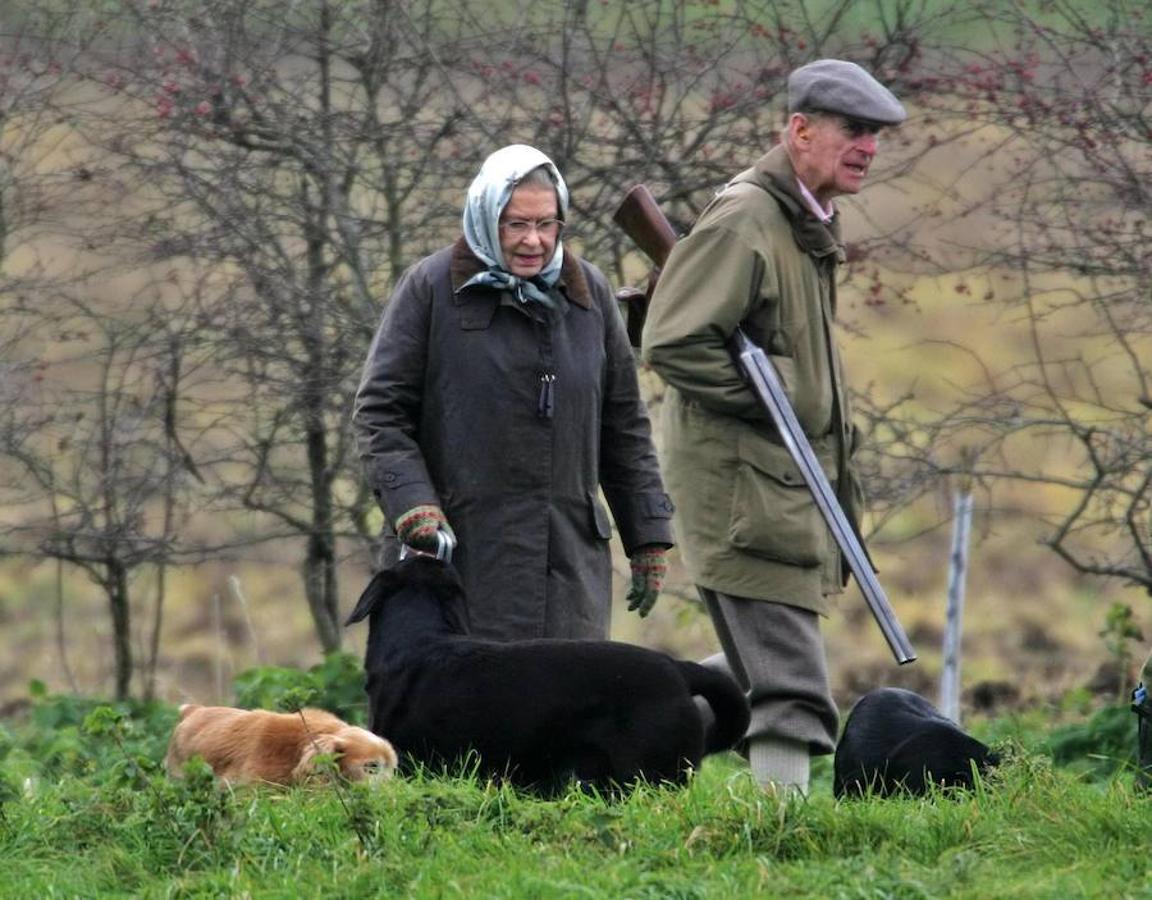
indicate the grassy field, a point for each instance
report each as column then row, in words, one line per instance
column 85, row 811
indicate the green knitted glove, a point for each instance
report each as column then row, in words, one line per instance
column 417, row 528
column 649, row 566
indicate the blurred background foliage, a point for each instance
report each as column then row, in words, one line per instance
column 203, row 207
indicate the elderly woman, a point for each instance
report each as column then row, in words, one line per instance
column 499, row 396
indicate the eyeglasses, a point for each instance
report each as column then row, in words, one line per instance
column 519, row 228
column 856, row 129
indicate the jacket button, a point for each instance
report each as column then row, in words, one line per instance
column 389, row 477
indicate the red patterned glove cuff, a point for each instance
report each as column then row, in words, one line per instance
column 650, row 563
column 418, row 526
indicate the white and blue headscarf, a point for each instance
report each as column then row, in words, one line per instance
column 488, row 194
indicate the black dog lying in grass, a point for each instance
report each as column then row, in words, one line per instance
column 895, row 740
column 537, row 713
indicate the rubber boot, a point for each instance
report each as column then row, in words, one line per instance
column 780, row 766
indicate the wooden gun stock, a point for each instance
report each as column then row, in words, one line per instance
column 641, row 219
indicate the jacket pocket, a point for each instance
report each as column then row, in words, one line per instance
column 773, row 513
column 598, row 517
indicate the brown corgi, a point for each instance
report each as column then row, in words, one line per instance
column 246, row 746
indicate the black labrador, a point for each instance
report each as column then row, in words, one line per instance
column 896, row 741
column 538, row 712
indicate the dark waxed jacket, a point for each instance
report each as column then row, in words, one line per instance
column 512, row 420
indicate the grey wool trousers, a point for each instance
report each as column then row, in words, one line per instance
column 776, row 653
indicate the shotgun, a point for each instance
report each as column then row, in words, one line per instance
column 641, row 219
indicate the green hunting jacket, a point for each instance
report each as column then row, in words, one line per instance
column 745, row 523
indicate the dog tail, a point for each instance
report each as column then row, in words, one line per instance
column 729, row 705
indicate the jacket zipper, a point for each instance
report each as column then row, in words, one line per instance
column 545, row 401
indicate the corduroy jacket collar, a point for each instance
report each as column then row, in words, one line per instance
column 774, row 173
column 571, row 283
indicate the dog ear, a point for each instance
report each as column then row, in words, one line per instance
column 382, row 586
column 450, row 592
column 317, row 745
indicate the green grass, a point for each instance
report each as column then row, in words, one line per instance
column 1034, row 831
column 102, row 819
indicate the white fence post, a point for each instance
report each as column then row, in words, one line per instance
column 957, row 574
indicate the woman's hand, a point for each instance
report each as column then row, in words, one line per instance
column 649, row 566
column 418, row 527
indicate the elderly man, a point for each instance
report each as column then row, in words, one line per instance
column 763, row 256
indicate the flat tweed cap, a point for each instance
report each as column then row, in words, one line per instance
column 844, row 88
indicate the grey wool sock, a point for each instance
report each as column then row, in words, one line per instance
column 779, row 764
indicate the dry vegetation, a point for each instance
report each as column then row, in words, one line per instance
column 941, row 323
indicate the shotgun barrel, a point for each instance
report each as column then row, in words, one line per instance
column 641, row 219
